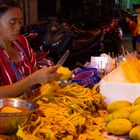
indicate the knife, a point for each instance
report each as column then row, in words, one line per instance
column 63, row 58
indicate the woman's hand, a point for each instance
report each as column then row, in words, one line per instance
column 47, row 75
column 41, row 76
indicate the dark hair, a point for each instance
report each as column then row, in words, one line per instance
column 8, row 4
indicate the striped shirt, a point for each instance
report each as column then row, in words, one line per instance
column 24, row 67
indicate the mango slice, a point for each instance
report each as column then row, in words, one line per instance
column 66, row 73
column 9, row 109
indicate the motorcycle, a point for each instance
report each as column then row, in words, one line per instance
column 50, row 45
column 113, row 38
column 75, row 40
column 106, row 40
column 82, row 44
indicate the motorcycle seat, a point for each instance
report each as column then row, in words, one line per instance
column 84, row 40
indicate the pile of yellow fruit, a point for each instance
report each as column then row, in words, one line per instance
column 124, row 118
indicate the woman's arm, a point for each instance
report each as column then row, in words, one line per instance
column 41, row 76
column 15, row 89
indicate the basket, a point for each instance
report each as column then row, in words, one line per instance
column 86, row 77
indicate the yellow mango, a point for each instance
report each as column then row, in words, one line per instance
column 116, row 105
column 135, row 108
column 49, row 88
column 134, row 134
column 66, row 73
column 119, row 126
column 135, row 117
column 117, row 115
column 137, row 101
column 9, row 109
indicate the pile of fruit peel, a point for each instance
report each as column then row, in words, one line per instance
column 66, row 112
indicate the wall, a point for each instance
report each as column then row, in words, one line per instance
column 33, row 11
column 30, row 13
column 89, row 11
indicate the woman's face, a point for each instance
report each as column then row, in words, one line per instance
column 10, row 24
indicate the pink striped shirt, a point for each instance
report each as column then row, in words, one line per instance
column 24, row 67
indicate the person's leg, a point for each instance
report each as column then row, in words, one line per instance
column 138, row 44
column 138, row 47
column 134, row 41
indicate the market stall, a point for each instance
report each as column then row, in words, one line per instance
column 70, row 110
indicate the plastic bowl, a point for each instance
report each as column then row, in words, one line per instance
column 9, row 121
column 86, row 77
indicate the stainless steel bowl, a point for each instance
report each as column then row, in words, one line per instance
column 9, row 121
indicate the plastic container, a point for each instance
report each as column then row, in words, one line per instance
column 115, row 86
column 86, row 77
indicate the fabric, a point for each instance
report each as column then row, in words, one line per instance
column 138, row 38
column 132, row 28
column 8, row 75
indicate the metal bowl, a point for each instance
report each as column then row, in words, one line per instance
column 9, row 121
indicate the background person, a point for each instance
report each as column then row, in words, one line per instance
column 132, row 27
column 137, row 31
